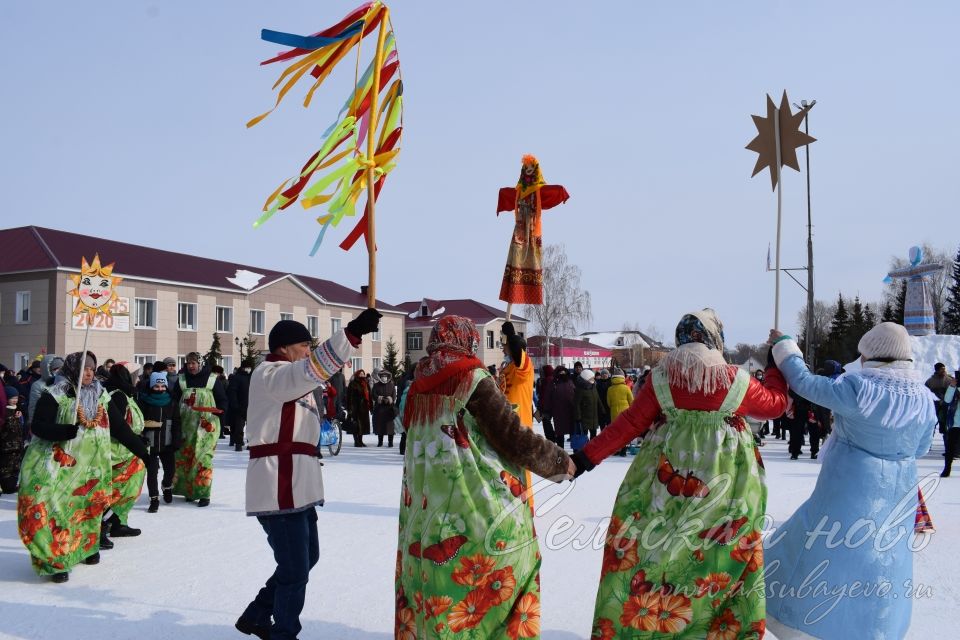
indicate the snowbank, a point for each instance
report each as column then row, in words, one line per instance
column 927, row 351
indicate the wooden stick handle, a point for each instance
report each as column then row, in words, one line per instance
column 371, row 173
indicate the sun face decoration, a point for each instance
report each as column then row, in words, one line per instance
column 94, row 288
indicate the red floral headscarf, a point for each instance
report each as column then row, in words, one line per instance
column 444, row 373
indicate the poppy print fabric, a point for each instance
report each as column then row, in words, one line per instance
column 128, row 470
column 64, row 489
column 201, row 430
column 683, row 555
column 468, row 561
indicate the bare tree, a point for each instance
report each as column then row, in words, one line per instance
column 565, row 304
column 938, row 282
column 822, row 314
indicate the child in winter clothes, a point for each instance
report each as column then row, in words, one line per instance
column 11, row 443
column 161, row 428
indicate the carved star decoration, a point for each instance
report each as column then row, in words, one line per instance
column 791, row 137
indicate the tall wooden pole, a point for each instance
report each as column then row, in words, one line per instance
column 776, row 164
column 371, row 172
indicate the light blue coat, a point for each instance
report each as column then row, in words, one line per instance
column 841, row 567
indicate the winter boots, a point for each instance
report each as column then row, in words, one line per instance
column 203, row 502
column 154, row 504
column 167, row 494
column 62, row 577
column 105, row 542
column 245, row 626
column 120, row 530
column 94, row 559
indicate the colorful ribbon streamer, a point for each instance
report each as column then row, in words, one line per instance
column 337, row 173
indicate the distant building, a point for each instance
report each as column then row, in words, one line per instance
column 170, row 303
column 423, row 314
column 566, row 351
column 630, row 348
column 751, row 365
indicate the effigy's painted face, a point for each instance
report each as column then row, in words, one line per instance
column 95, row 291
column 529, row 170
column 95, row 287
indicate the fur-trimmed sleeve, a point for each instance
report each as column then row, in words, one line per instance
column 501, row 427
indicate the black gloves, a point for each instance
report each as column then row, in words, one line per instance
column 508, row 329
column 55, row 432
column 367, row 322
column 582, row 462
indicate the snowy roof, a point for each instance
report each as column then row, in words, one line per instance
column 479, row 312
column 619, row 339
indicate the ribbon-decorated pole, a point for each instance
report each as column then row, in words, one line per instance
column 95, row 288
column 778, row 136
column 341, row 170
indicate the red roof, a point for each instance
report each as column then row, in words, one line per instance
column 36, row 248
column 468, row 308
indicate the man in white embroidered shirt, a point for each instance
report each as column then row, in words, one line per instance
column 284, row 484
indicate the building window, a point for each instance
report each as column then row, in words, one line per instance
column 356, row 363
column 286, row 316
column 375, row 336
column 23, row 307
column 181, row 362
column 335, row 325
column 144, row 358
column 225, row 319
column 520, row 333
column 227, row 363
column 313, row 325
column 20, row 361
column 414, row 340
column 490, row 340
column 145, row 313
column 187, row 317
column 256, row 321
column 424, row 311
column 377, row 363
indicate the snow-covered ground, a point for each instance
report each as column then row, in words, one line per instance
column 194, row 570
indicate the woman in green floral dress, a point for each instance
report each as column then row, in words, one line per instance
column 65, row 480
column 468, row 561
column 128, row 470
column 202, row 399
column 683, row 555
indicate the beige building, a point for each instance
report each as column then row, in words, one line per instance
column 169, row 304
column 422, row 314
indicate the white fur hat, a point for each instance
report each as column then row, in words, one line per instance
column 587, row 375
column 886, row 341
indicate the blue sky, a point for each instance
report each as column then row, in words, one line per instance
column 126, row 119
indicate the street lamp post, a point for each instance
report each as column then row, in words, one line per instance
column 809, row 355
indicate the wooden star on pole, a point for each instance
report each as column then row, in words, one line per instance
column 791, row 137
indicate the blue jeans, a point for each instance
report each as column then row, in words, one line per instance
column 296, row 548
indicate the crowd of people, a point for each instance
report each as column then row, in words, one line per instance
column 467, row 555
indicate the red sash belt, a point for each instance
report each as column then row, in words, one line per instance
column 283, row 448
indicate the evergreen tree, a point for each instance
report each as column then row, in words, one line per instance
column 888, row 315
column 836, row 347
column 407, row 364
column 248, row 351
column 214, row 355
column 870, row 316
column 391, row 362
column 951, row 311
column 858, row 327
column 901, row 303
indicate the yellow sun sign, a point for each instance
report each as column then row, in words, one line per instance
column 95, row 287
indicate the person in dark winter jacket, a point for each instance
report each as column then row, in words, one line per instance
column 161, row 428
column 11, row 442
column 49, row 367
column 238, row 394
column 544, row 396
column 358, row 406
column 563, row 391
column 586, row 404
column 603, row 409
column 384, row 395
column 796, row 423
